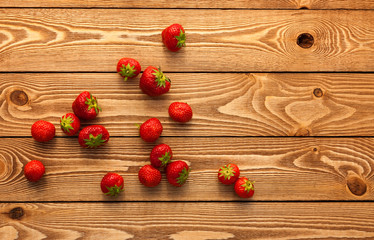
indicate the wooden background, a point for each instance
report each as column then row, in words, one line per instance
column 298, row 121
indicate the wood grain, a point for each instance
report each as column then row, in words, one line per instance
column 284, row 169
column 200, row 221
column 259, row 4
column 223, row 104
column 81, row 40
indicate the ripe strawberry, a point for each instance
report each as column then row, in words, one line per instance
column 154, row 82
column 85, row 106
column 34, row 170
column 228, row 174
column 174, row 37
column 177, row 173
column 128, row 68
column 180, row 112
column 93, row 136
column 244, row 188
column 161, row 155
column 150, row 130
column 70, row 124
column 149, row 176
column 43, row 131
column 112, row 184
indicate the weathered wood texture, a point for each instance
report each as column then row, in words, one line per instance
column 283, row 169
column 259, row 4
column 198, row 221
column 255, row 104
column 217, row 41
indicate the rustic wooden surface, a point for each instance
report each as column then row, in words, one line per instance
column 218, row 40
column 183, row 221
column 298, row 121
column 225, row 104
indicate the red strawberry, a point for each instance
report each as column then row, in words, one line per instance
column 149, row 176
column 244, row 188
column 70, row 124
column 93, row 136
column 161, row 155
column 177, row 173
column 180, row 112
column 150, row 130
column 85, row 106
column 128, row 68
column 153, row 82
column 43, row 131
column 174, row 37
column 228, row 174
column 112, row 184
column 34, row 170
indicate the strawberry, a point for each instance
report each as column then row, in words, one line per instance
column 43, row 131
column 70, row 124
column 128, row 68
column 112, row 184
column 93, row 136
column 177, row 173
column 150, row 130
column 244, row 188
column 180, row 112
column 228, row 174
column 34, row 170
column 161, row 155
column 174, row 37
column 153, row 82
column 149, row 176
column 85, row 106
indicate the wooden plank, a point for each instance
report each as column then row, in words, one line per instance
column 284, row 169
column 218, row 40
column 223, row 104
column 260, row 4
column 178, row 221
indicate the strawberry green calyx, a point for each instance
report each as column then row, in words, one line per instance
column 183, row 176
column 127, row 71
column 92, row 103
column 94, row 142
column 160, row 78
column 181, row 39
column 227, row 171
column 66, row 123
column 165, row 159
column 114, row 191
column 248, row 186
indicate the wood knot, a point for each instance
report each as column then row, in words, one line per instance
column 356, row 185
column 315, row 149
column 305, row 40
column 317, row 92
column 302, row 132
column 19, row 97
column 16, row 213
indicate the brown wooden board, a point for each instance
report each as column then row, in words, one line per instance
column 223, row 104
column 202, row 221
column 259, row 4
column 284, row 169
column 79, row 40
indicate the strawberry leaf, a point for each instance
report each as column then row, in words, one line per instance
column 114, row 191
column 227, row 171
column 181, row 39
column 183, row 175
column 92, row 103
column 94, row 142
column 127, row 71
column 248, row 186
column 161, row 78
column 165, row 159
column 66, row 123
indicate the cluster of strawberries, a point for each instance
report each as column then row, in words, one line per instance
column 153, row 82
column 230, row 174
